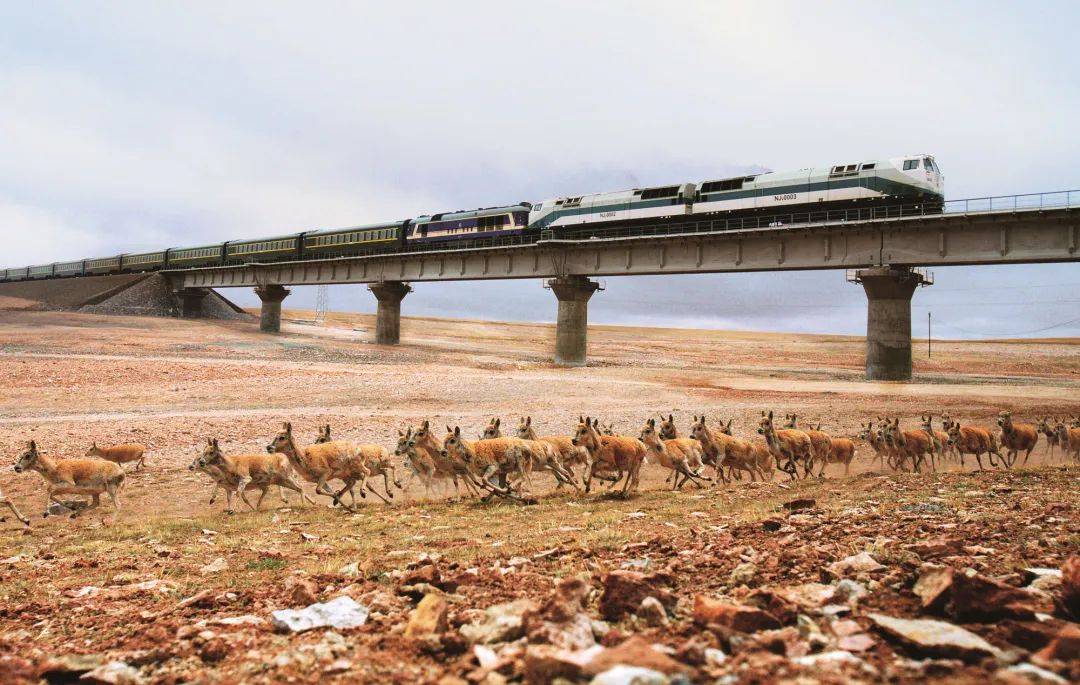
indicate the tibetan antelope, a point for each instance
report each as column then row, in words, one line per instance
column 323, row 462
column 841, row 451
column 4, row 501
column 120, row 454
column 431, row 455
column 378, row 462
column 1048, row 427
column 243, row 471
column 876, row 440
column 223, row 481
column 915, row 446
column 1016, row 438
column 487, row 459
column 819, row 440
column 616, row 454
column 569, row 455
column 729, row 452
column 972, row 440
column 681, row 455
column 1069, row 439
column 74, row 477
column 491, row 431
column 788, row 446
column 940, row 439
column 668, row 430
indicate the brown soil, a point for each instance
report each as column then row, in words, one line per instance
column 70, row 379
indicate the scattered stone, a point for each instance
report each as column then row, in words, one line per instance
column 854, row 565
column 978, row 598
column 302, row 591
column 797, row 504
column 1070, row 586
column 937, row 547
column 216, row 566
column 859, row 642
column 113, row 673
column 744, row 574
column 561, row 620
column 1064, row 647
column 808, row 596
column 625, row 590
column 934, row 586
column 636, row 651
column 501, row 623
column 715, row 657
column 340, row 612
column 68, row 667
column 350, row 570
column 741, row 618
column 544, row 663
column 772, row 525
column 630, row 675
column 936, row 638
column 429, row 617
column 1043, row 579
column 1027, row 674
column 652, row 612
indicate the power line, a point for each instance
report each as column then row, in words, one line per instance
column 1014, row 333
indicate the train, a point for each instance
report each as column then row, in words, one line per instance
column 913, row 180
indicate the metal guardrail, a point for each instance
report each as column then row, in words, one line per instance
column 1004, row 203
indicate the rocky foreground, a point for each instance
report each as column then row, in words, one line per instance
column 953, row 577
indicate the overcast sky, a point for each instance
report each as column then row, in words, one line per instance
column 128, row 126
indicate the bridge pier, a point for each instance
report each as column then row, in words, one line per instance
column 571, row 326
column 270, row 315
column 888, row 320
column 191, row 302
column 388, row 313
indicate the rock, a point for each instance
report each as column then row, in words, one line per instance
column 1027, row 674
column 630, row 675
column 1070, row 586
column 501, row 623
column 978, row 598
column 772, row 525
column 937, row 547
column 1064, row 647
column 850, row 591
column 934, row 586
column 935, row 638
column 859, row 642
column 854, row 565
column 808, row 596
column 1043, row 579
column 68, row 667
column 636, row 651
column 743, row 574
column 350, row 570
column 1031, row 635
column 810, row 632
column 544, row 663
column 831, row 660
column 428, row 618
column 561, row 621
column 652, row 612
column 625, row 590
column 797, row 504
column 216, row 566
column 340, row 612
column 715, row 657
column 741, row 618
column 113, row 673
column 302, row 591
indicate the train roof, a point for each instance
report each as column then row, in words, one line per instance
column 473, row 213
column 362, row 227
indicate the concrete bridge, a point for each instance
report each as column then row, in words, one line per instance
column 882, row 251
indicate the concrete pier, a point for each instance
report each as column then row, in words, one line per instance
column 270, row 316
column 888, row 320
column 388, row 314
column 191, row 302
column 571, row 327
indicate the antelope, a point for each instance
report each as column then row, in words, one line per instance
column 940, row 439
column 569, row 455
column 120, row 454
column 668, row 431
column 734, row 453
column 73, row 477
column 489, row 458
column 1016, row 438
column 436, row 461
column 607, row 429
column 4, row 501
column 492, row 430
column 618, row 453
column 224, row 481
column 789, row 444
column 323, row 462
column 841, row 451
column 679, row 455
column 875, row 440
column 914, row 445
column 1075, row 423
column 972, row 440
column 1048, row 427
column 240, row 472
column 820, row 441
column 378, row 462
column 1069, row 438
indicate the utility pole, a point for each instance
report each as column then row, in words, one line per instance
column 929, row 334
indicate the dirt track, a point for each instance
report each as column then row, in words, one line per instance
column 70, row 379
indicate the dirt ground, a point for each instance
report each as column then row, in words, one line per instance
column 144, row 586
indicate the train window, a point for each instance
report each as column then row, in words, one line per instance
column 654, row 193
column 868, row 166
column 838, row 169
column 852, row 167
column 928, row 163
column 910, row 164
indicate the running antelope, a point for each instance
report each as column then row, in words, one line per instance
column 681, row 455
column 487, row 459
column 4, row 501
column 1016, row 438
column 120, row 454
column 914, row 446
column 243, row 471
column 610, row 453
column 841, row 451
column 819, row 440
column 323, row 462
column 378, row 463
column 972, row 440
column 569, row 455
column 1069, row 439
column 430, row 451
column 940, row 438
column 74, row 477
column 668, row 430
column 788, row 446
column 1048, row 427
column 735, row 454
column 876, row 441
column 492, row 429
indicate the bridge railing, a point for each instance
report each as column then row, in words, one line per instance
column 1005, row 203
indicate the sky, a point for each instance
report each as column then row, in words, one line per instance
column 128, row 126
